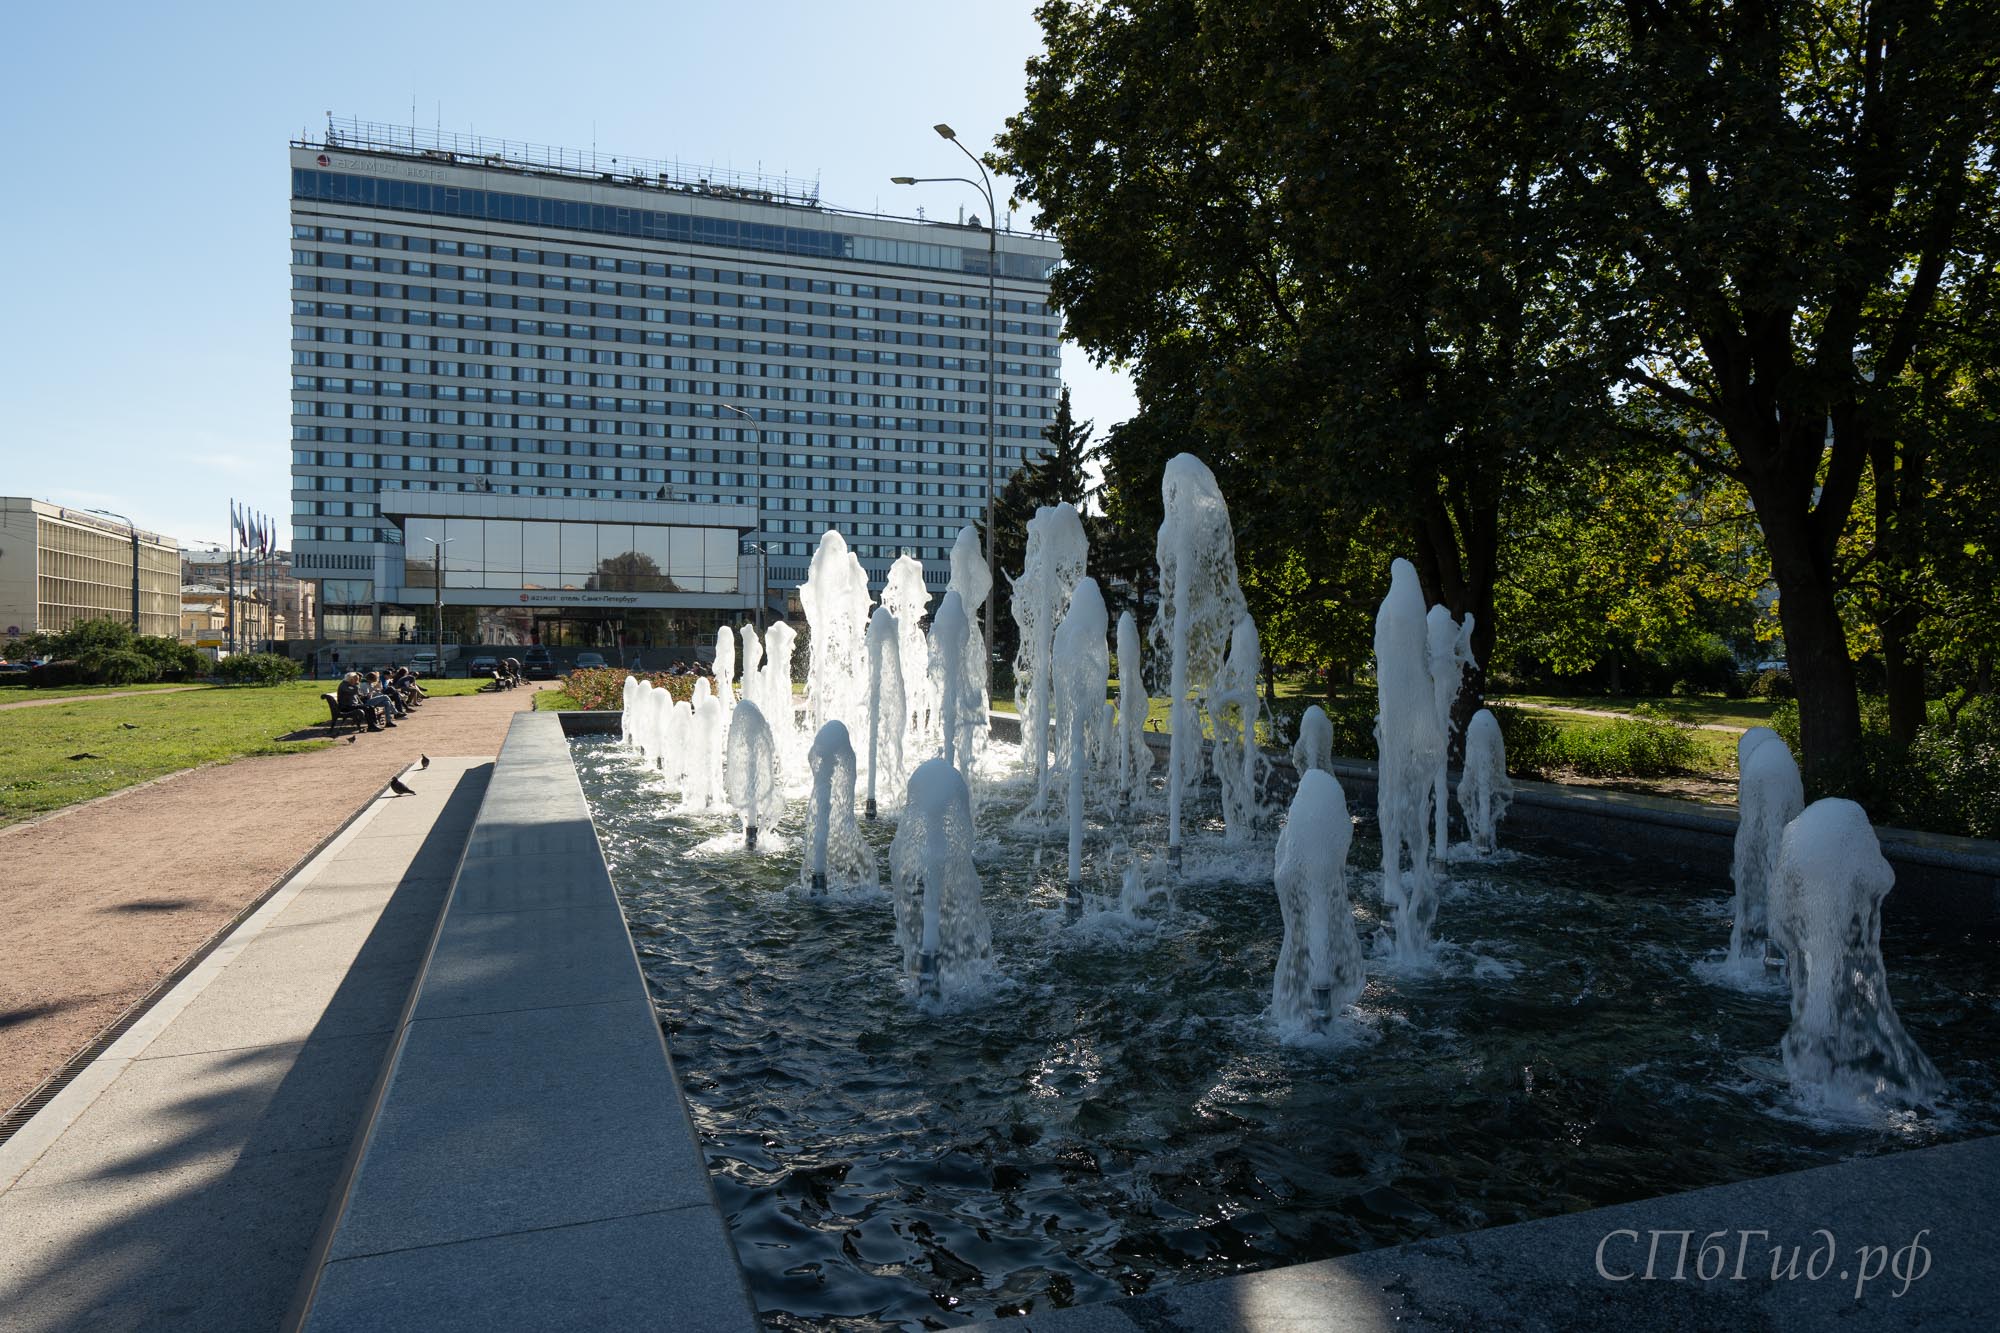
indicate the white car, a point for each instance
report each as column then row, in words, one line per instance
column 427, row 663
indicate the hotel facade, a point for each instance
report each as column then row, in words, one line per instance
column 606, row 402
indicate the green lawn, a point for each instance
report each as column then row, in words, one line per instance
column 133, row 740
column 1706, row 710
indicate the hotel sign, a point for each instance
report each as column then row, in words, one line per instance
column 376, row 167
column 569, row 597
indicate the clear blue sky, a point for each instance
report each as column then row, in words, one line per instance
column 146, row 357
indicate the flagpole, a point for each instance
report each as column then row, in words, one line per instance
column 230, row 606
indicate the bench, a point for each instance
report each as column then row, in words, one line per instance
column 357, row 717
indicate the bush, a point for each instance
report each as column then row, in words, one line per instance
column 177, row 661
column 257, row 669
column 1626, row 748
column 125, row 667
column 601, row 689
column 1769, row 685
column 52, row 674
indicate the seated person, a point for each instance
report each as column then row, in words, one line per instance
column 406, row 682
column 513, row 668
column 376, row 697
column 349, row 700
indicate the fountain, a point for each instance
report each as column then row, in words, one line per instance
column 724, row 666
column 952, row 680
column 774, row 696
column 1056, row 555
column 906, row 597
column 753, row 657
column 751, row 770
column 1484, row 790
column 1232, row 711
column 1319, row 964
column 675, row 719
column 1448, row 654
column 1200, row 604
column 1080, row 664
column 1135, row 757
column 941, row 923
column 1845, row 1046
column 836, row 846
column 1314, row 747
column 835, row 599
column 1409, row 746
column 972, row 580
column 886, row 709
column 1769, row 796
column 702, row 743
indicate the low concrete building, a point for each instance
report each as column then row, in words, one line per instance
column 60, row 565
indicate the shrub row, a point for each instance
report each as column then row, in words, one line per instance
column 1626, row 748
column 257, row 669
column 600, row 689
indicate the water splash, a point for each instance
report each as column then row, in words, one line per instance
column 1484, row 791
column 1319, row 964
column 1448, row 653
column 1232, row 710
column 835, row 600
column 1080, row 665
column 907, row 598
column 1410, row 746
column 1769, row 796
column 1055, row 558
column 954, row 681
column 941, row 925
column 835, row 851
column 1135, row 757
column 1845, row 1045
column 1200, row 603
column 972, row 580
column 751, row 772
column 886, row 709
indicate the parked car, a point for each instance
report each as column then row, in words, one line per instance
column 425, row 664
column 585, row 661
column 482, row 665
column 538, row 664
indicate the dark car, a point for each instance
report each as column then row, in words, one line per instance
column 538, row 664
column 482, row 666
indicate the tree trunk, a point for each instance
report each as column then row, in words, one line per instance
column 1815, row 647
column 1903, row 672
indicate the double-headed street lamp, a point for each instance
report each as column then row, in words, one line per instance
column 135, row 560
column 985, row 186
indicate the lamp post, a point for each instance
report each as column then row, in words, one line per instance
column 985, row 186
column 134, row 527
column 437, row 591
column 763, row 556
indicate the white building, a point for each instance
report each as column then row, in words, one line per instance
column 598, row 385
column 60, row 565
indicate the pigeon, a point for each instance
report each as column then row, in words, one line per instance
column 129, row 726
column 401, row 788
column 423, row 761
column 352, row 739
column 86, row 755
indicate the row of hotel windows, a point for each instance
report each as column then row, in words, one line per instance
column 605, row 357
column 505, row 467
column 637, row 314
column 315, row 407
column 703, row 365
column 910, row 531
column 752, row 393
column 663, row 453
column 550, row 282
column 457, row 202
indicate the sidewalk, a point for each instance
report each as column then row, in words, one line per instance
column 180, row 1179
column 108, row 694
column 102, row 901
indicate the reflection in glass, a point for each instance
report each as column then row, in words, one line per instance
column 617, row 564
column 465, row 558
column 503, row 553
column 719, row 569
column 654, row 559
column 541, row 555
column 579, row 554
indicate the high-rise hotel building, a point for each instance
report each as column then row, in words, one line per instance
column 612, row 398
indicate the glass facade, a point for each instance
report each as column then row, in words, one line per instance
column 506, row 555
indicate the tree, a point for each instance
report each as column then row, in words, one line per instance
column 1782, row 201
column 1316, row 235
column 1059, row 476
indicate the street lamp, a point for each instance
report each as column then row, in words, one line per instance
column 134, row 527
column 985, row 186
column 763, row 566
column 437, row 591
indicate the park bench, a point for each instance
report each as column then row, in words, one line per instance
column 357, row 717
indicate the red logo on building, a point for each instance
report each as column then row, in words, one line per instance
column 324, row 160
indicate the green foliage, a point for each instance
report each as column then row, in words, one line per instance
column 60, row 671
column 1947, row 780
column 124, row 667
column 599, row 689
column 1057, row 477
column 176, row 660
column 1770, row 684
column 257, row 669
column 1624, row 748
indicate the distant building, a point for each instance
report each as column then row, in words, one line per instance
column 612, row 397
column 294, row 603
column 60, row 565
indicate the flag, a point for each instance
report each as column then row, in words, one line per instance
column 235, row 524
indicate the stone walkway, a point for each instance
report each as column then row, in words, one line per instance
column 102, row 901
column 180, row 1180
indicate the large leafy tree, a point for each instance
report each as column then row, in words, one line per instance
column 1314, row 230
column 1787, row 202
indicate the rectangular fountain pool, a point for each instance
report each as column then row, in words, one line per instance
column 1115, row 1114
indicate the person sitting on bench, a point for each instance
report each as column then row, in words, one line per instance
column 406, row 684
column 375, row 696
column 349, row 701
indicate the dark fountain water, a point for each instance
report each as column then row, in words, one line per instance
column 1115, row 1114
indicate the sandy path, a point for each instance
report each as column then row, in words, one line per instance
column 99, row 902
column 108, row 694
column 1729, row 727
